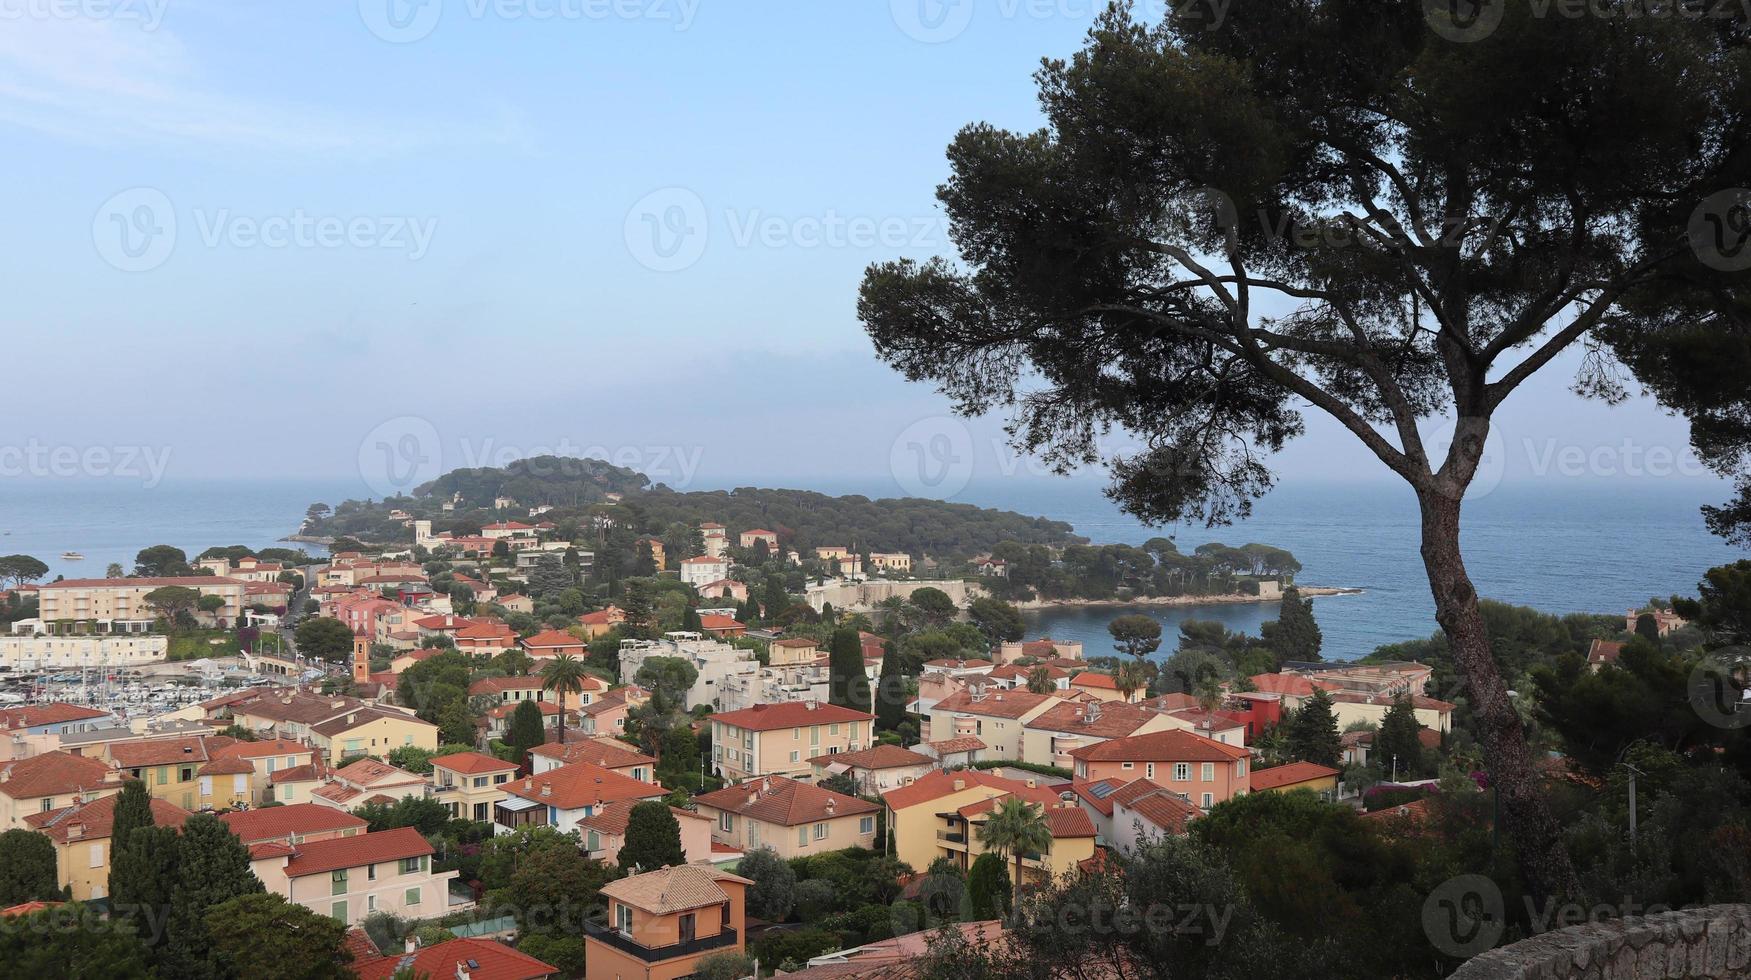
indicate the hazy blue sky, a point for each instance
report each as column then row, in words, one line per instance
column 574, row 224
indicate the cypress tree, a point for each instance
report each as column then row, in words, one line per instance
column 847, row 684
column 527, row 732
column 891, row 691
column 142, row 879
column 1295, row 635
column 1314, row 734
column 212, row 866
column 653, row 838
column 1398, row 736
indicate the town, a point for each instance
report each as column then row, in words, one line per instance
column 544, row 742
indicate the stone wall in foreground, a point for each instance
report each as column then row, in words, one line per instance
column 1712, row 943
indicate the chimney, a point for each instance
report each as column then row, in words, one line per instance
column 960, row 784
column 461, row 971
column 547, row 790
column 1033, row 784
column 411, row 944
column 75, row 831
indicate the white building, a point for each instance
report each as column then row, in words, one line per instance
column 716, row 661
column 34, row 653
column 703, row 570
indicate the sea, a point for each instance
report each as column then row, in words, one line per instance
column 1558, row 546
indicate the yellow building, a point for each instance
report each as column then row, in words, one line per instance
column 81, row 837
column 780, row 739
column 118, row 605
column 268, row 759
column 184, row 771
column 469, row 783
column 51, row 781
column 794, row 819
column 371, row 731
column 940, row 816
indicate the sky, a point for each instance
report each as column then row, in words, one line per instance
column 386, row 238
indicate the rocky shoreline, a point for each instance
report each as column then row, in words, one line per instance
column 1307, row 592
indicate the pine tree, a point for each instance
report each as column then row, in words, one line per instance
column 653, row 838
column 776, row 600
column 1295, row 635
column 1313, row 737
column 133, row 810
column 212, row 866
column 847, row 684
column 27, row 867
column 890, row 692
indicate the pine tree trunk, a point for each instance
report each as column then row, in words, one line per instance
column 1525, row 819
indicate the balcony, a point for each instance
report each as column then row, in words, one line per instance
column 952, row 836
column 657, row 954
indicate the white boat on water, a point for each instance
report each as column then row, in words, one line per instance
column 72, row 556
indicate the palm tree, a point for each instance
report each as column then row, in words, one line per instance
column 1039, row 681
column 1130, row 677
column 1016, row 827
column 564, row 675
column 1210, row 695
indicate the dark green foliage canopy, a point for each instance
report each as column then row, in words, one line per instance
column 268, row 937
column 1313, row 732
column 1295, row 634
column 27, row 867
column 653, row 838
column 847, row 684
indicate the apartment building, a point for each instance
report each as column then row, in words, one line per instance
column 940, row 816
column 997, row 717
column 876, row 769
column 51, row 781
column 81, row 652
column 793, row 818
column 561, row 798
column 780, row 739
column 118, row 605
column 609, row 753
column 1050, row 737
column 1203, row 770
column 350, row 878
column 470, row 783
column 713, row 659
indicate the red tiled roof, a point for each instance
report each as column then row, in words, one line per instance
column 1169, row 746
column 96, row 818
column 553, row 638
column 936, row 785
column 995, row 704
column 1104, row 719
column 703, row 560
column 580, row 784
column 226, row 767
column 1167, row 810
column 279, row 822
column 491, row 961
column 1277, row 777
column 296, row 774
column 597, row 752
column 790, row 714
column 54, row 774
column 779, row 800
column 1291, row 684
column 367, row 771
column 53, row 713
column 499, row 685
column 1091, row 792
column 965, row 743
column 1604, row 652
column 1069, row 821
column 320, row 857
column 875, row 757
column 1089, row 678
column 261, row 749
column 141, row 753
column 716, row 622
column 472, row 763
column 28, row 908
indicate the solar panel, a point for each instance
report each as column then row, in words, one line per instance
column 1102, row 790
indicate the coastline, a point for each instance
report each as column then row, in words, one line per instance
column 308, row 539
column 1307, row 592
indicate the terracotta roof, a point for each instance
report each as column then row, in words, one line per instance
column 936, row 785
column 226, row 767
column 1604, row 651
column 602, row 617
column 797, row 643
column 784, row 801
column 994, row 704
column 54, row 774
column 472, row 763
column 1089, row 678
column 716, row 622
column 790, row 714
column 279, row 822
column 361, row 946
column 1170, row 746
column 1069, row 821
column 94, row 819
column 945, row 662
column 339, row 793
column 261, row 749
column 875, row 757
column 677, row 889
column 482, row 959
column 1107, row 719
column 53, row 713
column 703, row 560
column 28, row 908
column 1291, row 684
column 323, row 856
column 547, row 708
column 367, row 771
column 965, row 743
column 499, row 685
column 599, row 752
column 296, row 774
column 1277, row 777
column 580, row 784
column 299, row 707
column 146, row 752
column 612, row 818
column 553, row 638
column 1098, row 793
column 1416, row 700
column 1165, row 809
column 364, row 716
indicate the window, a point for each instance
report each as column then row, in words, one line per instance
column 370, row 903
column 240, row 783
column 1127, row 765
column 1209, row 801
column 1182, row 771
column 689, row 928
column 482, row 812
column 595, row 841
column 802, row 837
column 726, row 821
column 48, row 804
column 833, row 729
column 479, row 781
column 412, row 897
column 412, row 865
column 339, row 911
column 814, row 734
column 338, row 881
column 866, row 825
column 163, row 775
column 1149, row 771
column 206, row 786
column 795, row 756
column 820, row 831
column 1207, row 772
column 623, row 918
column 796, row 734
column 370, row 872
column 96, row 856
column 185, row 774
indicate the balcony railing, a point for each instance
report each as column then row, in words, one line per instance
column 656, row 954
column 953, row 836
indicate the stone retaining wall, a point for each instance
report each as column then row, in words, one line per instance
column 1712, row 943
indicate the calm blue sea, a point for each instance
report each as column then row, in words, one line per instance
column 1561, row 546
